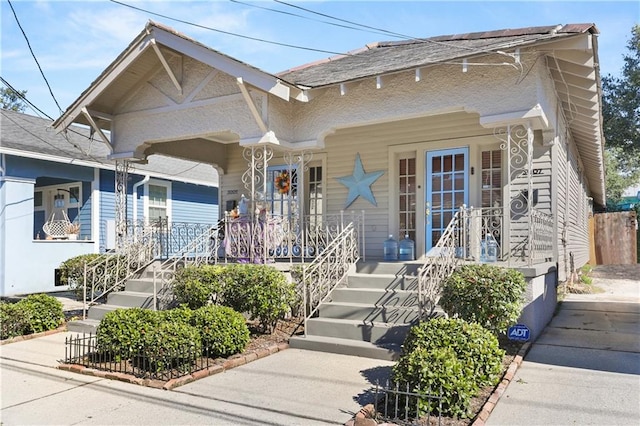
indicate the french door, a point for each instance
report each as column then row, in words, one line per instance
column 447, row 189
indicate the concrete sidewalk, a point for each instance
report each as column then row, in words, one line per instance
column 585, row 366
column 292, row 387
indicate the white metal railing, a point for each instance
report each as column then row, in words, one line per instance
column 111, row 271
column 256, row 239
column 440, row 262
column 541, row 245
column 328, row 270
column 201, row 250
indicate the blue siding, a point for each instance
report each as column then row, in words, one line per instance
column 38, row 223
column 194, row 203
column 32, row 169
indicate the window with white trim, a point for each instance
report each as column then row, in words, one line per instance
column 158, row 205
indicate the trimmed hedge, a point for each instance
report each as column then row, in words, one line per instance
column 224, row 331
column 169, row 345
column 451, row 354
column 197, row 286
column 121, row 332
column 489, row 295
column 34, row 314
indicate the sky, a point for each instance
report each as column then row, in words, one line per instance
column 74, row 41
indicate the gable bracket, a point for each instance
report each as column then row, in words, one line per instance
column 166, row 66
column 97, row 129
column 252, row 106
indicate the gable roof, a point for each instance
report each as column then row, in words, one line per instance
column 395, row 56
column 26, row 135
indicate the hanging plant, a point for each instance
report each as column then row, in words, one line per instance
column 283, row 182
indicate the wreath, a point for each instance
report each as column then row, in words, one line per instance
column 283, row 182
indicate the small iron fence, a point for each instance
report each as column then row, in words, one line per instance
column 86, row 350
column 402, row 405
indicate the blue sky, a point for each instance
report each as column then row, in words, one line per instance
column 75, row 40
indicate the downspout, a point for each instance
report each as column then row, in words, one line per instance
column 135, row 198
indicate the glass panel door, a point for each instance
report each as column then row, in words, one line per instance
column 447, row 183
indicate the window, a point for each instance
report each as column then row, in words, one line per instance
column 315, row 195
column 407, row 197
column 38, row 203
column 157, row 202
column 491, row 178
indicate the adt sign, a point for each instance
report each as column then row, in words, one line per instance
column 519, row 332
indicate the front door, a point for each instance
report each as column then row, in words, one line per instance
column 447, row 183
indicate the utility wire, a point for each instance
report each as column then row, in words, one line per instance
column 309, row 18
column 23, row 98
column 226, row 32
column 34, row 56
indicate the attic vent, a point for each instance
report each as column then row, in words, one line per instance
column 555, row 30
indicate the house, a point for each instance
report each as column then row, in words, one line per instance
column 66, row 179
column 498, row 133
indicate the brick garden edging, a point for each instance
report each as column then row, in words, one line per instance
column 229, row 363
column 489, row 405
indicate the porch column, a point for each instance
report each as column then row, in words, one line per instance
column 517, row 142
column 122, row 176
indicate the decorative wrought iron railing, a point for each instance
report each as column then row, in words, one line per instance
column 440, row 262
column 264, row 239
column 203, row 249
column 111, row 271
column 541, row 237
column 328, row 269
column 171, row 237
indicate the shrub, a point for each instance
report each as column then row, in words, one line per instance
column 197, row 286
column 488, row 295
column 259, row 290
column 14, row 320
column 181, row 314
column 424, row 364
column 224, row 331
column 44, row 312
column 169, row 345
column 120, row 332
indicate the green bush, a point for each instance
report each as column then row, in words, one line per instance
column 224, row 331
column 169, row 345
column 424, row 364
column 488, row 295
column 197, row 286
column 259, row 290
column 14, row 320
column 44, row 312
column 121, row 332
column 181, row 314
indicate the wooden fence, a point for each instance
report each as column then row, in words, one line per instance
column 615, row 238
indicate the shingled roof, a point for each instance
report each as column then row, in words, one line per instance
column 31, row 136
column 389, row 57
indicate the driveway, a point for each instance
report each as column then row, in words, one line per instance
column 585, row 366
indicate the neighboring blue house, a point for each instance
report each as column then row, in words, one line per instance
column 45, row 176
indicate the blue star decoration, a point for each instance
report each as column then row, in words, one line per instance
column 359, row 183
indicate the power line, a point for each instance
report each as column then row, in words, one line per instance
column 226, row 32
column 308, row 18
column 34, row 56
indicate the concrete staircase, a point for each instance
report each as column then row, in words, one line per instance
column 138, row 293
column 369, row 316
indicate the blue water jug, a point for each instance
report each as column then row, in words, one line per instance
column 406, row 248
column 492, row 249
column 390, row 249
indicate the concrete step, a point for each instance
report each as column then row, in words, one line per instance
column 389, row 352
column 369, row 312
column 97, row 312
column 130, row 299
column 375, row 296
column 382, row 281
column 374, row 332
column 392, row 268
column 83, row 326
column 140, row 285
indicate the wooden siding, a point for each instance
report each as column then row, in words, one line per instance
column 561, row 172
column 577, row 227
column 194, row 203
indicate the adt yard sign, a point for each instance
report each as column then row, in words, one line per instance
column 519, row 332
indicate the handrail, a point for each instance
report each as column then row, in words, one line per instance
column 201, row 250
column 328, row 270
column 111, row 271
column 440, row 262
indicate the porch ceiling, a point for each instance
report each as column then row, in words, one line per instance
column 210, row 151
